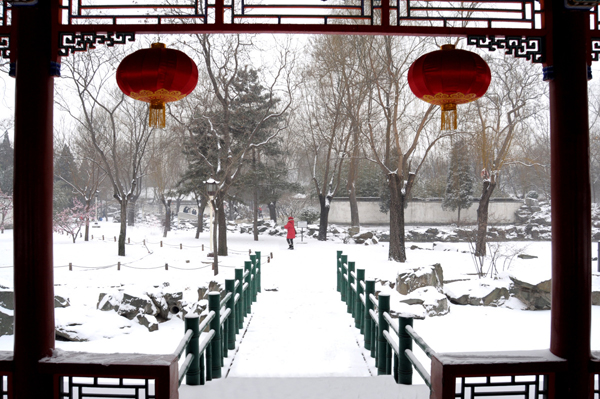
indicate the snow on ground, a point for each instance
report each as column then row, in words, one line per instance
column 304, row 313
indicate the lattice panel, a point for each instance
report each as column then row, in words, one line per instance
column 522, row 387
column 105, row 388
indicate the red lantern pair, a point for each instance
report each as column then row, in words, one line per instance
column 448, row 77
column 157, row 76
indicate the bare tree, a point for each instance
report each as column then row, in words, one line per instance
column 512, row 98
column 116, row 127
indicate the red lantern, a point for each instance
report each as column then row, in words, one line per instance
column 157, row 75
column 448, row 77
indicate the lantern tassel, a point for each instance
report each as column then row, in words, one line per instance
column 157, row 114
column 449, row 117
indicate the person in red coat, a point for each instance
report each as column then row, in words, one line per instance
column 291, row 232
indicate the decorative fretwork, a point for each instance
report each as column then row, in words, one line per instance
column 595, row 48
column 96, row 387
column 530, row 48
column 72, row 42
column 525, row 387
column 4, row 46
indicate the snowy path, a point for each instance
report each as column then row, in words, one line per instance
column 302, row 329
column 300, row 342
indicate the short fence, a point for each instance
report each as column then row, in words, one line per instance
column 208, row 342
column 80, row 375
column 519, row 374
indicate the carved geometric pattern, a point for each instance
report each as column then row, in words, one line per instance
column 595, row 48
column 72, row 42
column 530, row 48
column 4, row 45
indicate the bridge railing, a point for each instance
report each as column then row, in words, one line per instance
column 208, row 342
column 527, row 374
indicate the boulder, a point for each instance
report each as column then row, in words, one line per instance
column 354, row 230
column 476, row 293
column 148, row 321
column 63, row 333
column 434, row 302
column 107, row 302
column 424, row 276
column 131, row 306
column 367, row 235
column 596, row 298
column 7, row 322
column 7, row 300
column 535, row 297
column 60, row 302
column 384, row 237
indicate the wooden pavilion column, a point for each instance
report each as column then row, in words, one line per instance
column 569, row 49
column 33, row 179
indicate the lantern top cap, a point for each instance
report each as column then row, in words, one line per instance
column 448, row 47
column 158, row 45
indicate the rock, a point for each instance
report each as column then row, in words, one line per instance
column 107, row 302
column 476, row 293
column 131, row 306
column 525, row 256
column 374, row 240
column 535, row 297
column 596, row 298
column 63, row 333
column 7, row 322
column 354, row 230
column 262, row 229
column 359, row 240
column 60, row 302
column 384, row 237
column 531, row 202
column 7, row 300
column 212, row 286
column 367, row 235
column 420, row 277
column 148, row 321
column 434, row 302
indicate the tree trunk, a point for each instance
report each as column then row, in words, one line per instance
column 167, row 205
column 216, row 221
column 325, row 202
column 397, row 251
column 131, row 213
column 255, row 213
column 458, row 221
column 123, row 231
column 201, row 206
column 482, row 217
column 222, row 225
column 354, row 221
column 87, row 230
column 273, row 211
column 231, row 213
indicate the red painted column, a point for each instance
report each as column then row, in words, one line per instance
column 571, row 199
column 33, row 274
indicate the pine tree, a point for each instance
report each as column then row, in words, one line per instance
column 459, row 183
column 7, row 158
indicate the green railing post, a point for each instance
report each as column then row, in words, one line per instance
column 259, row 272
column 369, row 289
column 338, row 261
column 344, row 271
column 248, row 298
column 214, row 304
column 382, row 345
column 253, row 279
column 209, row 361
column 358, row 316
column 239, row 277
column 192, row 377
column 350, row 294
column 231, row 320
column 405, row 370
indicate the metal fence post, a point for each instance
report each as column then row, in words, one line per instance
column 232, row 319
column 248, row 299
column 338, row 259
column 259, row 271
column 369, row 289
column 253, row 280
column 382, row 350
column 358, row 316
column 214, row 304
column 239, row 277
column 344, row 270
column 192, row 377
column 405, row 370
column 350, row 294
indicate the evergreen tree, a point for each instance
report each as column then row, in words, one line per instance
column 65, row 170
column 7, row 158
column 459, row 183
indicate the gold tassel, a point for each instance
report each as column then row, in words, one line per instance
column 157, row 114
column 449, row 117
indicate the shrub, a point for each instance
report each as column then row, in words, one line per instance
column 310, row 215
